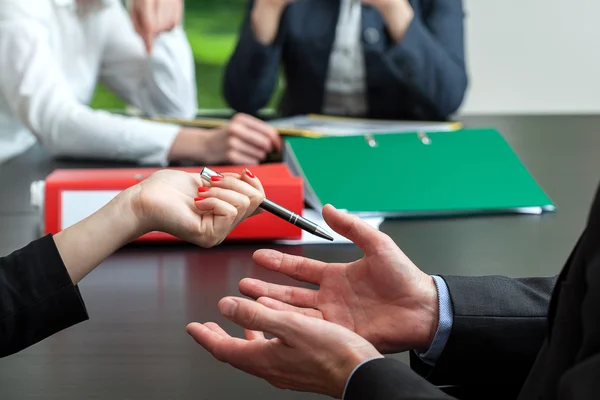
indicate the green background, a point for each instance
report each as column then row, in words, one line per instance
column 212, row 28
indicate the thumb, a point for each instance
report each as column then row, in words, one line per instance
column 358, row 231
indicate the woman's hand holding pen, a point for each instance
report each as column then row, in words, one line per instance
column 183, row 205
column 174, row 202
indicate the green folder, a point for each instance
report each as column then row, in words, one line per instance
column 470, row 171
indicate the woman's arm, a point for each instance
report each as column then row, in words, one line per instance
column 253, row 69
column 427, row 52
column 38, row 293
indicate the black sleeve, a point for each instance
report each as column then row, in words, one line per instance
column 387, row 379
column 37, row 296
column 499, row 326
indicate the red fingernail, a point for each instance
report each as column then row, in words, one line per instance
column 250, row 174
column 203, row 189
column 216, row 178
column 199, row 199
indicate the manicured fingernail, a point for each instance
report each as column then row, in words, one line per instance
column 216, row 178
column 228, row 307
column 203, row 189
column 250, row 174
column 199, row 199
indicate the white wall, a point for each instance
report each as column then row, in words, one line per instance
column 533, row 56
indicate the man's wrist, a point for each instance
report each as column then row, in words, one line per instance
column 430, row 311
column 430, row 354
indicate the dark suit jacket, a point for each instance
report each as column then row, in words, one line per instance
column 504, row 344
column 422, row 77
column 37, row 296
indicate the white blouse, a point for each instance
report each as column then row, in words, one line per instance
column 345, row 87
column 53, row 52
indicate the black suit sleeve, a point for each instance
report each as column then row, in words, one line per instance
column 387, row 379
column 37, row 296
column 498, row 322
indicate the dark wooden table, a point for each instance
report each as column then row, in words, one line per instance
column 140, row 300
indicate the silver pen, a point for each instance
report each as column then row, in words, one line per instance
column 280, row 211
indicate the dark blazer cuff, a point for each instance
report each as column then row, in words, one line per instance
column 44, row 300
column 389, row 379
column 405, row 55
column 255, row 55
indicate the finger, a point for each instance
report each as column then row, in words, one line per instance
column 261, row 127
column 215, row 327
column 241, row 202
column 135, row 20
column 295, row 296
column 148, row 23
column 254, row 195
column 253, row 335
column 197, row 179
column 236, row 157
column 248, row 148
column 232, row 174
column 239, row 128
column 218, row 207
column 253, row 316
column 160, row 16
column 223, row 347
column 178, row 14
column 253, row 181
column 300, row 268
column 246, row 355
column 280, row 306
column 358, row 231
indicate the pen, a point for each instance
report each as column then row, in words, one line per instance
column 280, row 211
column 218, row 123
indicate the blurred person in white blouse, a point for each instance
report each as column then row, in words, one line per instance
column 54, row 52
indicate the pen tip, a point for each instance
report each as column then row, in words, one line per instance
column 320, row 232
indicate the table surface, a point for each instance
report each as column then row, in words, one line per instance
column 135, row 347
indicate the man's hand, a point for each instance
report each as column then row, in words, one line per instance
column 152, row 17
column 307, row 354
column 398, row 14
column 383, row 297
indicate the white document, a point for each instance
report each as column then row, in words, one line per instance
column 355, row 126
column 316, row 217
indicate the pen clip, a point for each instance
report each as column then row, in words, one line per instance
column 207, row 173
